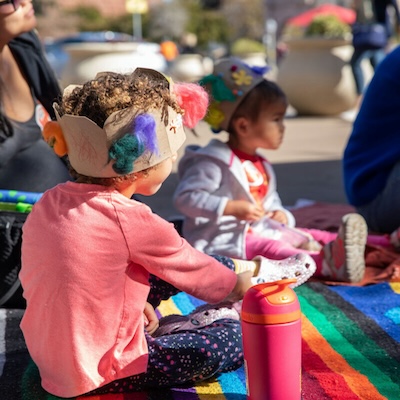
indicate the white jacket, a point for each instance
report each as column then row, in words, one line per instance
column 208, row 177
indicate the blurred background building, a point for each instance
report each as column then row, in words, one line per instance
column 81, row 36
column 237, row 12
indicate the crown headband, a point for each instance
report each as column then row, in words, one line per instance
column 130, row 140
column 229, row 83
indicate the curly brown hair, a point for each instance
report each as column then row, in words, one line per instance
column 109, row 92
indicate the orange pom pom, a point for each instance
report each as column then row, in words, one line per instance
column 53, row 135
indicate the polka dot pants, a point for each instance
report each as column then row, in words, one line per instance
column 186, row 356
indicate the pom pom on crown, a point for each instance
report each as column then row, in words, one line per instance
column 53, row 135
column 193, row 99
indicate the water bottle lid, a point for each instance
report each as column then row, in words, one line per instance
column 271, row 303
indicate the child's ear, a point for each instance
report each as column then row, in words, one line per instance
column 241, row 126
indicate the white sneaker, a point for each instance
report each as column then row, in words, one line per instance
column 344, row 257
column 300, row 267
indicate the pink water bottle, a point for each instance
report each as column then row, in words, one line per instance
column 271, row 331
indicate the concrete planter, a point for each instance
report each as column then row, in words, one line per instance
column 87, row 59
column 316, row 76
column 190, row 67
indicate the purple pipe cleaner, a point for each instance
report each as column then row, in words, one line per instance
column 145, row 132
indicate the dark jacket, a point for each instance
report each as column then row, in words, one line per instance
column 28, row 52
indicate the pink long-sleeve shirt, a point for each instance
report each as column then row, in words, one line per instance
column 86, row 257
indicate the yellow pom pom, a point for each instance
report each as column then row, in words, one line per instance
column 215, row 116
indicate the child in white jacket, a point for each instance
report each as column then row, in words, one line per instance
column 227, row 191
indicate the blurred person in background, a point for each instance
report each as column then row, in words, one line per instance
column 371, row 159
column 371, row 13
column 28, row 88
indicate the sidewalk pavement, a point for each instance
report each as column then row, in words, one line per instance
column 307, row 165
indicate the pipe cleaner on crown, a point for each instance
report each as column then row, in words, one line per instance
column 130, row 140
column 126, row 150
column 230, row 82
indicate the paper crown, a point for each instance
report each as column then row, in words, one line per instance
column 228, row 85
column 148, row 137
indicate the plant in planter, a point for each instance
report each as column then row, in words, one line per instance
column 315, row 74
column 245, row 45
column 328, row 26
column 250, row 51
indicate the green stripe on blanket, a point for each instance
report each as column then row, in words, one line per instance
column 350, row 339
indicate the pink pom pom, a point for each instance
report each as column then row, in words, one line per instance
column 193, row 99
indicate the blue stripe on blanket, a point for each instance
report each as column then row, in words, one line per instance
column 371, row 300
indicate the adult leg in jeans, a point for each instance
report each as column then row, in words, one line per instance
column 355, row 63
column 376, row 57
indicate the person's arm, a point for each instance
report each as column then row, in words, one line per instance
column 243, row 284
column 373, row 145
column 273, row 203
column 28, row 51
column 243, row 210
column 155, row 245
column 195, row 194
column 151, row 322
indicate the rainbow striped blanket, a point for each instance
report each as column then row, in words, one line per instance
column 351, row 349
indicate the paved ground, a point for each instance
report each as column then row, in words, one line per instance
column 308, row 164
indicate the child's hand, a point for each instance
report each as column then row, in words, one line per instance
column 279, row 216
column 243, row 284
column 244, row 210
column 151, row 322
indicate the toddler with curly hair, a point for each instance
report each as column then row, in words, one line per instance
column 96, row 262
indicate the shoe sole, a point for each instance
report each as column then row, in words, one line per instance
column 354, row 239
column 301, row 270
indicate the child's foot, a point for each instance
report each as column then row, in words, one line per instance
column 301, row 267
column 344, row 258
column 200, row 317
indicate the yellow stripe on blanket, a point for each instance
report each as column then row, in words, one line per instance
column 168, row 307
column 205, row 389
column 395, row 287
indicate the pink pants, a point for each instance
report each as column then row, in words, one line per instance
column 278, row 249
